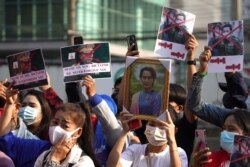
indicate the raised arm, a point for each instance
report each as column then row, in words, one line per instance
column 105, row 109
column 191, row 46
column 51, row 96
column 130, row 52
column 8, row 121
column 116, row 152
column 207, row 112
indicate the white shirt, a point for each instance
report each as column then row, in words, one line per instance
column 134, row 156
column 75, row 156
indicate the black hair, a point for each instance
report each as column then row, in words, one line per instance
column 150, row 69
column 181, row 14
column 118, row 81
column 46, row 112
column 218, row 25
column 227, row 25
column 177, row 94
column 242, row 117
column 81, row 116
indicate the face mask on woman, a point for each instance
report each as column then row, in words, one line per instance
column 155, row 135
column 56, row 133
column 227, row 140
column 28, row 114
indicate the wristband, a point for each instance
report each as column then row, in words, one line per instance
column 203, row 74
column 191, row 62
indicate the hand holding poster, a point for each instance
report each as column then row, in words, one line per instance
column 88, row 59
column 173, row 32
column 27, row 69
column 226, row 41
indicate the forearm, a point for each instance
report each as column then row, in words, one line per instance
column 111, row 128
column 5, row 120
column 174, row 154
column 191, row 70
column 208, row 112
column 115, row 154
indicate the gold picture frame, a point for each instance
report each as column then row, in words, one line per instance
column 139, row 97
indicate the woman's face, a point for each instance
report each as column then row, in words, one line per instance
column 147, row 80
column 231, row 125
column 64, row 120
column 32, row 101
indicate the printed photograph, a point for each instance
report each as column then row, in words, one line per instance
column 147, row 82
column 226, row 38
column 27, row 69
column 86, row 59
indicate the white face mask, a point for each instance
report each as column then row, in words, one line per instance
column 28, row 114
column 155, row 135
column 56, row 133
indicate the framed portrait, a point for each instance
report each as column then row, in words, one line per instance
column 146, row 85
column 27, row 69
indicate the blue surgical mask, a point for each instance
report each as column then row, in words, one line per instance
column 28, row 114
column 227, row 140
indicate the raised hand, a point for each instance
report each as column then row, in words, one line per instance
column 200, row 157
column 204, row 58
column 61, row 149
column 3, row 89
column 11, row 94
column 130, row 52
column 125, row 117
column 191, row 45
column 89, row 83
column 46, row 87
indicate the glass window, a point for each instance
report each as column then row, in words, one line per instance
column 11, row 19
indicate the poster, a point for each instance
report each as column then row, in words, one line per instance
column 27, row 69
column 174, row 30
column 241, row 152
column 86, row 59
column 226, row 40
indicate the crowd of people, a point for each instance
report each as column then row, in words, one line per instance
column 37, row 128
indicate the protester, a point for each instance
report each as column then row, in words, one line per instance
column 161, row 150
column 116, row 89
column 28, row 121
column 70, row 136
column 106, row 126
column 5, row 161
column 236, row 123
column 236, row 90
column 207, row 112
column 69, row 132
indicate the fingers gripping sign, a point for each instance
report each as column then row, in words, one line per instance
column 89, row 83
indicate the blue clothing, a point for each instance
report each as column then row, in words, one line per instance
column 207, row 112
column 23, row 152
column 102, row 142
column 149, row 103
column 23, row 131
